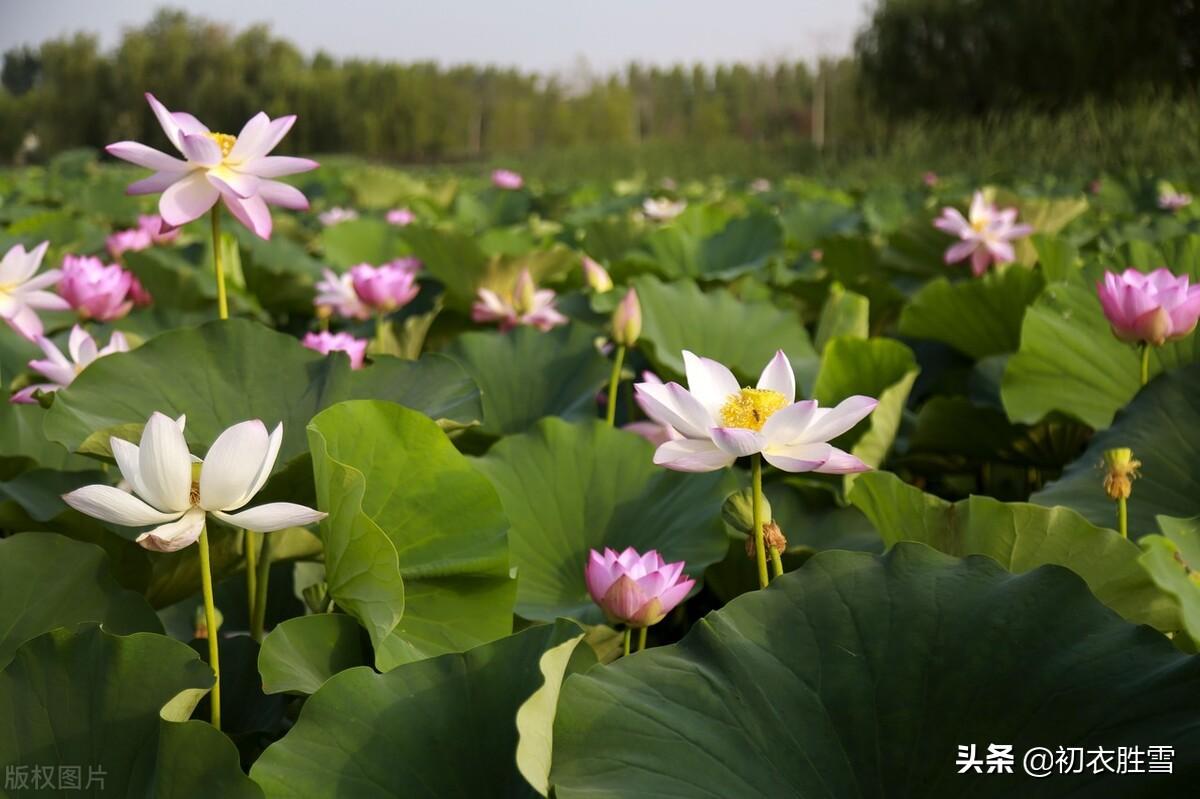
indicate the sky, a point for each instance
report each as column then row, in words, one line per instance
column 549, row 36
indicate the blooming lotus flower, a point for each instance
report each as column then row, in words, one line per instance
column 402, row 217
column 22, row 294
column 325, row 343
column 597, row 276
column 217, row 166
column 507, row 179
column 94, row 290
column 1174, row 200
column 721, row 421
column 336, row 294
column 175, row 491
column 638, row 590
column 986, row 234
column 149, row 232
column 662, row 209
column 760, row 186
column 59, row 370
column 385, row 288
column 529, row 306
column 337, row 215
column 1153, row 308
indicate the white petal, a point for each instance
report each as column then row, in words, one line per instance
column 276, row 166
column 81, row 346
column 689, row 455
column 168, row 123
column 798, row 458
column 709, row 382
column 200, row 149
column 250, row 138
column 738, row 441
column 778, row 376
column 165, row 464
column 835, row 421
column 662, row 405
column 269, row 461
column 272, row 516
column 176, row 535
column 283, row 195
column 232, row 465
column 138, row 153
column 842, row 462
column 113, row 505
column 126, row 455
column 787, row 425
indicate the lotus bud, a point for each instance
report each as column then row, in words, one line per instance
column 637, row 590
column 524, row 292
column 201, row 626
column 1121, row 469
column 627, row 320
column 738, row 511
column 597, row 276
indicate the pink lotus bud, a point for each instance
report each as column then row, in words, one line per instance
column 138, row 293
column 401, row 217
column 930, row 179
column 1153, row 307
column 94, row 290
column 507, row 179
column 525, row 292
column 627, row 320
column 597, row 276
column 325, row 343
column 384, row 288
column 638, row 590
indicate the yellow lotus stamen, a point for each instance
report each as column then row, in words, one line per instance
column 224, row 141
column 751, row 407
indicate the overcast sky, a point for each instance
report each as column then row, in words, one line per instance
column 541, row 35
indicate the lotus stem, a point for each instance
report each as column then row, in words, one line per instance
column 614, row 381
column 628, row 635
column 210, row 621
column 642, row 638
column 776, row 563
column 218, row 267
column 1123, row 517
column 260, row 596
column 760, row 549
column 250, row 553
column 1145, row 364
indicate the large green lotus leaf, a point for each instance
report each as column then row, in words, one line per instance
column 439, row 728
column 225, row 372
column 1020, row 537
column 279, row 272
column 978, row 317
column 49, row 581
column 26, row 446
column 362, row 241
column 1162, row 427
column 807, row 222
column 1173, row 562
column 525, row 374
column 744, row 245
column 861, row 676
column 569, row 488
column 843, row 314
column 117, row 707
column 300, row 654
column 743, row 335
column 416, row 540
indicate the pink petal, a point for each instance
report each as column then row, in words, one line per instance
column 138, row 153
column 187, row 199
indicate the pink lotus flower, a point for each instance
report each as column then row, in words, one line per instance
column 336, row 294
column 218, row 166
column 337, row 215
column 148, row 233
column 60, row 371
column 401, row 217
column 986, row 235
column 596, row 276
column 1174, row 200
column 507, row 179
column 529, row 306
column 22, row 295
column 325, row 343
column 385, row 288
column 138, row 293
column 930, row 179
column 638, row 590
column 94, row 290
column 1153, row 308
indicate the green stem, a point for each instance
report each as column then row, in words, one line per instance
column 1123, row 517
column 613, row 382
column 381, row 330
column 760, row 550
column 210, row 620
column 250, row 553
column 642, row 638
column 628, row 634
column 1145, row 364
column 260, row 596
column 776, row 563
column 218, row 267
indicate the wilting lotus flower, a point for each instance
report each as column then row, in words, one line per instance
column 22, row 294
column 986, row 234
column 218, row 166
column 637, row 590
column 662, row 208
column 325, row 343
column 385, row 288
column 597, row 276
column 721, row 421
column 94, row 290
column 1153, row 307
column 336, row 294
column 172, row 491
column 529, row 306
column 1173, row 200
column 60, row 371
column 148, row 233
column 337, row 215
column 507, row 179
column 401, row 216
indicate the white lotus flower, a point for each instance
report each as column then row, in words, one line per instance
column 60, row 371
column 22, row 294
column 177, row 490
column 720, row 421
column 663, row 209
